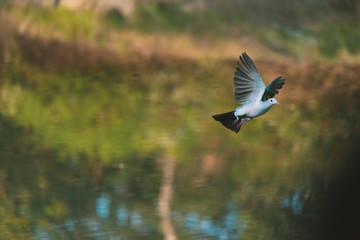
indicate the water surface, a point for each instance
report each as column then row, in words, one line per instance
column 127, row 149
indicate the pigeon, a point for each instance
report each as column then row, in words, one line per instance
column 251, row 93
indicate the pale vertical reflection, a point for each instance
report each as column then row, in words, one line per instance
column 167, row 227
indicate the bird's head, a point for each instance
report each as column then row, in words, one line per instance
column 271, row 101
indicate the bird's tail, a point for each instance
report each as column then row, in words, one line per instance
column 229, row 120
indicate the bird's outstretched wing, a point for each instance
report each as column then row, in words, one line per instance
column 249, row 86
column 271, row 90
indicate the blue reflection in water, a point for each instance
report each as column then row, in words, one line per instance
column 122, row 216
column 135, row 219
column 103, row 205
column 41, row 235
column 93, row 225
column 70, row 225
column 208, row 228
column 228, row 228
column 191, row 221
column 231, row 220
column 293, row 201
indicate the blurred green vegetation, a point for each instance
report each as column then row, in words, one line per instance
column 340, row 35
column 58, row 21
column 297, row 29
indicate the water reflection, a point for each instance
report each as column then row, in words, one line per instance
column 165, row 195
column 85, row 157
column 227, row 227
column 294, row 202
column 102, row 206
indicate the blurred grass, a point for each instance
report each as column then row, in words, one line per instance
column 306, row 39
column 340, row 35
column 56, row 22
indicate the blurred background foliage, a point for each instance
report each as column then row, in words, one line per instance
column 324, row 28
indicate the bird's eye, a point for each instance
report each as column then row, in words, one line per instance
column 271, row 100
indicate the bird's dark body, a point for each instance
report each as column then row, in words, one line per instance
column 230, row 121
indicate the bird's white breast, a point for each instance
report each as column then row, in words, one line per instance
column 252, row 110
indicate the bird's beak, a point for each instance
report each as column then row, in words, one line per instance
column 277, row 103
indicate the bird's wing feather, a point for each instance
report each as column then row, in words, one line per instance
column 249, row 86
column 271, row 90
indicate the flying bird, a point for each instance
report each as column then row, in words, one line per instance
column 251, row 93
